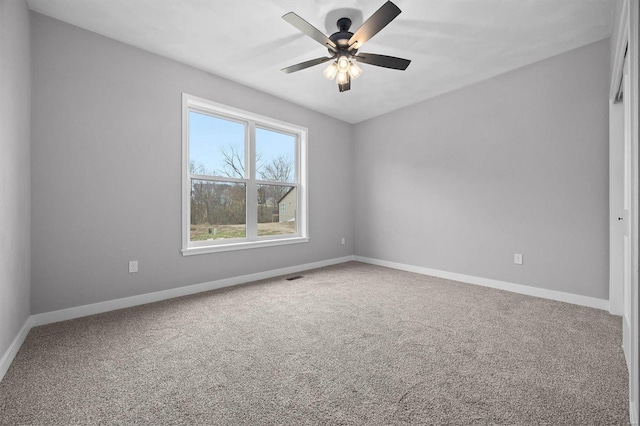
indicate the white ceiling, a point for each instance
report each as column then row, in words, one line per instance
column 452, row 43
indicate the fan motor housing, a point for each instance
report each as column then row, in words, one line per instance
column 341, row 38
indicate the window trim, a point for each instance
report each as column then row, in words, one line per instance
column 252, row 121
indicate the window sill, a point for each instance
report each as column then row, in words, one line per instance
column 216, row 248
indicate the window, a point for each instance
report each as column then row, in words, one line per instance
column 244, row 179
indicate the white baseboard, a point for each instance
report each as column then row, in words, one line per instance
column 96, row 308
column 633, row 413
column 575, row 299
column 127, row 302
column 14, row 347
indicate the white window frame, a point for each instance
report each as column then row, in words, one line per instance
column 204, row 106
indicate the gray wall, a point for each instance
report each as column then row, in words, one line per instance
column 514, row 164
column 106, row 160
column 15, row 200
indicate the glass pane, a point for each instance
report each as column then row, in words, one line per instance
column 216, row 146
column 218, row 210
column 277, row 207
column 275, row 156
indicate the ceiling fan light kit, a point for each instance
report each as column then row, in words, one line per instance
column 343, row 46
column 331, row 71
column 354, row 70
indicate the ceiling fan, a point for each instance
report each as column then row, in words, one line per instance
column 343, row 46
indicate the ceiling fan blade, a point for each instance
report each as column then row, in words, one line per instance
column 374, row 24
column 303, row 65
column 383, row 61
column 309, row 30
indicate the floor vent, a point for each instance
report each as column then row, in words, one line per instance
column 294, row 278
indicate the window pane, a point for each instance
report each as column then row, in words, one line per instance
column 218, row 210
column 275, row 156
column 277, row 209
column 216, row 146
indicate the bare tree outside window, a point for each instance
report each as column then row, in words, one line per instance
column 233, row 161
column 279, row 170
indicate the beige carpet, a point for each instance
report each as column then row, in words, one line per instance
column 351, row 344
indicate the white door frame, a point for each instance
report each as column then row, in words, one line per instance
column 616, row 207
column 626, row 40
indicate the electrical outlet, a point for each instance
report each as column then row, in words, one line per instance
column 133, row 266
column 342, row 240
column 517, row 258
